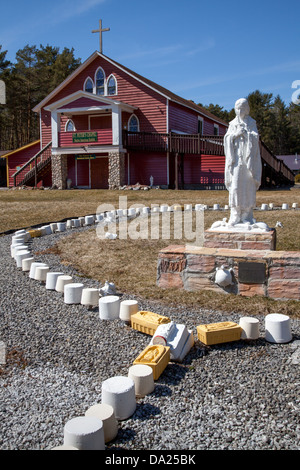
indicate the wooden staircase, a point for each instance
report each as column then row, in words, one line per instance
column 34, row 169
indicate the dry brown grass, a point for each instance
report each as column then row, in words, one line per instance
column 131, row 264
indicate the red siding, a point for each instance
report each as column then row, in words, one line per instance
column 182, row 120
column 18, row 159
column 142, row 166
column 212, row 169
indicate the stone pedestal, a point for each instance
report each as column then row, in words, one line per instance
column 116, row 170
column 249, row 240
column 274, row 274
column 59, row 166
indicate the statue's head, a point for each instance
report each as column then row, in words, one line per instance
column 242, row 107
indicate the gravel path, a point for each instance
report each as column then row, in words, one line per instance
column 241, row 395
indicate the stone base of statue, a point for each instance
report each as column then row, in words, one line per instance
column 257, row 236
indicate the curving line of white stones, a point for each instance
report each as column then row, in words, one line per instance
column 99, row 425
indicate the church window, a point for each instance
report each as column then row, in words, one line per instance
column 100, row 79
column 133, row 125
column 89, row 86
column 70, row 126
column 111, row 86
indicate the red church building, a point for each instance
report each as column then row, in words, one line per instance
column 105, row 126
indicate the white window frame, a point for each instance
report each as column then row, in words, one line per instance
column 104, row 82
column 202, row 121
column 138, row 123
column 74, row 128
column 86, row 80
column 116, row 84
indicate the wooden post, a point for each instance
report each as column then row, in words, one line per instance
column 35, row 172
column 176, row 170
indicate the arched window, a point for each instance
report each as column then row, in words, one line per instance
column 133, row 124
column 111, row 85
column 89, row 85
column 100, row 79
column 70, row 127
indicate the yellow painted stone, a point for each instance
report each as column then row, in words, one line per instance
column 35, row 233
column 156, row 356
column 147, row 322
column 222, row 332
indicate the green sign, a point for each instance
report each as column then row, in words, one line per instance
column 85, row 137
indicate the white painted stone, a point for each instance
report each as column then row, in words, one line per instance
column 264, row 207
column 51, row 280
column 188, row 207
column 26, row 264
column 73, row 292
column 82, row 221
column 295, row 205
column 142, row 376
column 84, row 433
column 61, row 282
column 278, row 328
column 164, row 208
column 146, row 210
column 250, row 327
column 109, row 307
column 53, row 227
column 285, row 206
column 41, row 273
column 216, row 207
column 131, row 211
column 14, row 244
column 128, row 308
column 226, row 207
column 69, row 224
column 198, row 207
column 155, row 209
column 33, row 267
column 106, row 414
column 119, row 392
column 43, row 231
column 271, row 205
column 90, row 297
column 99, row 217
column 243, row 167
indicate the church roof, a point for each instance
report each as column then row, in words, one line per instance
column 158, row 88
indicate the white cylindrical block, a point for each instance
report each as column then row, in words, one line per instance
column 142, row 376
column 226, row 207
column 61, row 227
column 132, row 211
column 47, row 229
column 109, row 307
column 285, row 206
column 33, row 268
column 128, row 308
column 19, row 248
column 278, row 328
column 271, row 205
column 51, row 280
column 89, row 220
column 250, row 327
column 295, row 205
column 188, row 207
column 84, row 433
column 20, row 255
column 198, row 207
column 155, row 209
column 81, row 220
column 106, row 414
column 53, row 227
column 90, row 297
column 164, row 208
column 14, row 245
column 73, row 292
column 119, row 392
column 99, row 217
column 76, row 223
column 41, row 273
column 146, row 210
column 264, row 207
column 26, row 264
column 61, row 282
column 69, row 224
column 216, row 207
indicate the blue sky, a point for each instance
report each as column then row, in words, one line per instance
column 206, row 51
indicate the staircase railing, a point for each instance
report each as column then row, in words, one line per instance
column 32, row 167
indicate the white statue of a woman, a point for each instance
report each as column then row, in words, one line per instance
column 243, row 166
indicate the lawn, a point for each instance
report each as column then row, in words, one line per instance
column 131, row 264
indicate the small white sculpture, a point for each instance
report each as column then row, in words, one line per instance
column 223, row 277
column 279, row 224
column 109, row 288
column 243, row 168
column 151, row 181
